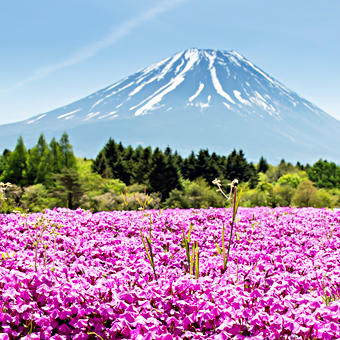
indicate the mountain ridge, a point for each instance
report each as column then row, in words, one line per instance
column 215, row 99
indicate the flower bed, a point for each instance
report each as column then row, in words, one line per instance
column 282, row 279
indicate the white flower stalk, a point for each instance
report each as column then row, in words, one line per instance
column 232, row 185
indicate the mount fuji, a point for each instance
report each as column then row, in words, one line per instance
column 194, row 99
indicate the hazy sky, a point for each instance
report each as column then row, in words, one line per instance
column 55, row 52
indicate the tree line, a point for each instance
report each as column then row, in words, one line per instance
column 161, row 171
column 50, row 175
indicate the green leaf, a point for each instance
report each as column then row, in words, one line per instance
column 139, row 202
column 218, row 248
column 237, row 204
column 124, row 198
column 190, row 228
column 197, row 264
column 146, row 249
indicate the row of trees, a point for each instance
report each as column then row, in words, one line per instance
column 53, row 167
column 161, row 171
column 50, row 175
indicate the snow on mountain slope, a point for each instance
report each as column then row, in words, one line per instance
column 222, row 91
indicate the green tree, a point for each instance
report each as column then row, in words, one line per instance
column 164, row 175
column 68, row 187
column 141, row 165
column 36, row 198
column 292, row 180
column 39, row 163
column 16, row 168
column 306, row 195
column 188, row 167
column 325, row 174
column 263, row 165
column 56, row 156
column 253, row 176
column 237, row 167
column 68, row 159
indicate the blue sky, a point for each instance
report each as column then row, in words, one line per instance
column 55, row 52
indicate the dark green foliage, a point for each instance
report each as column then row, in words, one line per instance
column 188, row 167
column 164, row 174
column 47, row 175
column 56, row 156
column 15, row 171
column 237, row 167
column 325, row 174
column 68, row 187
column 39, row 163
column 253, row 176
column 263, row 165
column 3, row 160
column 113, row 160
column 68, row 160
column 141, row 165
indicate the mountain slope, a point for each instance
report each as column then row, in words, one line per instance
column 193, row 99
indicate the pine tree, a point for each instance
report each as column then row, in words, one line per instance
column 100, row 164
column 68, row 158
column 263, row 165
column 3, row 160
column 142, row 165
column 16, row 168
column 68, row 187
column 164, row 175
column 39, row 163
column 237, row 167
column 253, row 176
column 188, row 167
column 56, row 156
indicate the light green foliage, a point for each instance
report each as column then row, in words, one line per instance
column 196, row 194
column 283, row 195
column 306, row 195
column 37, row 198
column 291, row 179
column 275, row 172
column 264, row 186
column 93, row 183
column 326, row 199
column 68, row 188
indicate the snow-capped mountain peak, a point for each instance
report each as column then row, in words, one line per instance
column 192, row 84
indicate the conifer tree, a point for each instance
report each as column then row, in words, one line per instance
column 68, row 158
column 237, row 167
column 68, row 187
column 3, row 160
column 253, row 176
column 188, row 167
column 142, row 165
column 16, row 168
column 100, row 164
column 263, row 165
column 56, row 156
column 164, row 176
column 39, row 163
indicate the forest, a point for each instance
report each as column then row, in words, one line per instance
column 125, row 178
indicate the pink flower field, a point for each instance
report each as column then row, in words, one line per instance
column 75, row 275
